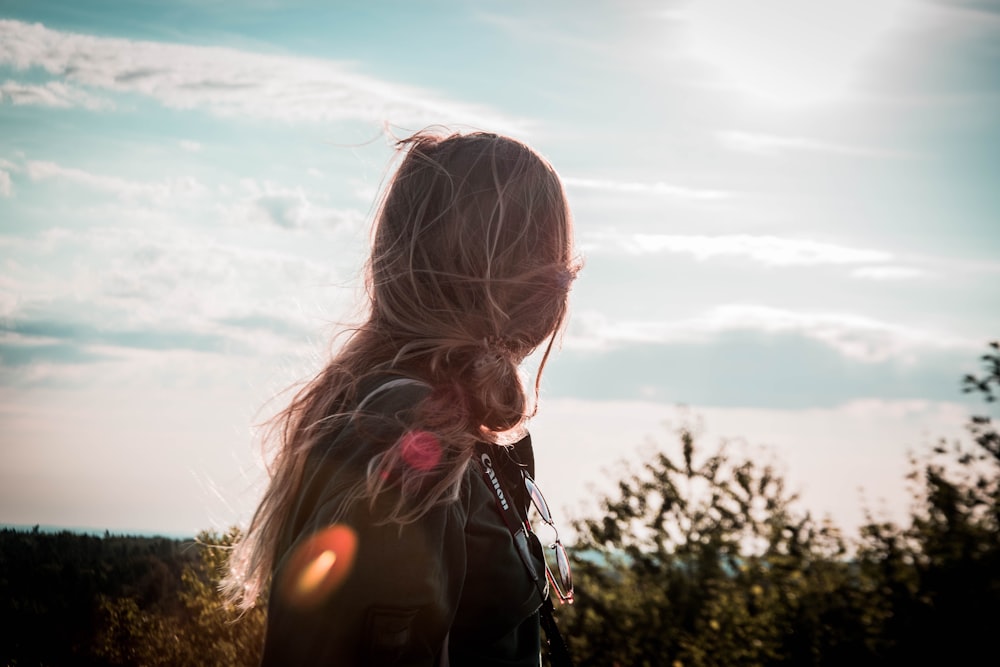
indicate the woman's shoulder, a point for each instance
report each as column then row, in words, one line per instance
column 383, row 393
column 387, row 405
column 386, row 408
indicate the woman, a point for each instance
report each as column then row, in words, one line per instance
column 387, row 531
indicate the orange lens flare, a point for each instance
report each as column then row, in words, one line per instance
column 315, row 573
column 318, row 567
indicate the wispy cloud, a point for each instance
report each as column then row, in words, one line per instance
column 645, row 188
column 269, row 203
column 157, row 288
column 857, row 337
column 6, row 188
column 888, row 273
column 537, row 30
column 223, row 81
column 252, row 201
column 50, row 94
column 772, row 145
column 768, row 250
column 158, row 192
column 85, row 334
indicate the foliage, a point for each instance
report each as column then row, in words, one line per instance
column 702, row 559
column 203, row 631
column 69, row 599
column 50, row 585
column 941, row 574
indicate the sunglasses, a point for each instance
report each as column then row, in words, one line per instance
column 562, row 581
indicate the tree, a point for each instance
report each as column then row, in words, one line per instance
column 202, row 631
column 702, row 559
column 941, row 573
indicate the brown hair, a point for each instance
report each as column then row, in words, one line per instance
column 470, row 269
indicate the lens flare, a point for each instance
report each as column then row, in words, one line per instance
column 314, row 573
column 318, row 566
column 421, row 450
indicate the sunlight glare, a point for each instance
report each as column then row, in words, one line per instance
column 789, row 52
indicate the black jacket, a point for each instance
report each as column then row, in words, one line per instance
column 449, row 588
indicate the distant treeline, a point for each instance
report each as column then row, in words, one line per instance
column 114, row 601
column 701, row 559
column 52, row 586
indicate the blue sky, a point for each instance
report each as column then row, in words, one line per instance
column 788, row 214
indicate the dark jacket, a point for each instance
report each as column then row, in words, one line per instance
column 449, row 588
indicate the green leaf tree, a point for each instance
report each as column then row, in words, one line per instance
column 941, row 573
column 202, row 631
column 703, row 559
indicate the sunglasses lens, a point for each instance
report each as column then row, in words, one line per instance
column 538, row 499
column 562, row 589
column 565, row 576
column 563, row 583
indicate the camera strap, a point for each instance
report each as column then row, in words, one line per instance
column 519, row 530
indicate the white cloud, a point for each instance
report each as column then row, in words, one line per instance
column 229, row 82
column 190, row 146
column 6, row 188
column 769, row 144
column 888, row 273
column 167, row 281
column 50, row 94
column 642, row 188
column 287, row 207
column 768, row 250
column 260, row 202
column 126, row 189
column 853, row 336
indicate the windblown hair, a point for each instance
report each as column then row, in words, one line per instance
column 470, row 269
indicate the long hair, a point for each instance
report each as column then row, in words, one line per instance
column 470, row 269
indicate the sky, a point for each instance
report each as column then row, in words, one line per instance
column 787, row 212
